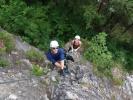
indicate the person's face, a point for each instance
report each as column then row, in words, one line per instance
column 54, row 50
column 77, row 40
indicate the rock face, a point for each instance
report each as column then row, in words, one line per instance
column 82, row 84
column 17, row 82
column 15, row 85
column 128, row 87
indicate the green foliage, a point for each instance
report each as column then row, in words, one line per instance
column 2, row 50
column 29, row 22
column 119, row 36
column 99, row 54
column 92, row 18
column 8, row 42
column 37, row 24
column 121, row 55
column 123, row 9
column 37, row 70
column 97, row 51
column 10, row 15
column 129, row 62
column 35, row 56
column 4, row 63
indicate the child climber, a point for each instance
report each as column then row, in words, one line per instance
column 75, row 44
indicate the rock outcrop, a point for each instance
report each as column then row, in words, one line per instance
column 17, row 82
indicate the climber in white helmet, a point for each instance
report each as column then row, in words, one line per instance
column 56, row 55
column 75, row 44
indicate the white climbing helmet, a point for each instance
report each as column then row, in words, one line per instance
column 53, row 44
column 77, row 37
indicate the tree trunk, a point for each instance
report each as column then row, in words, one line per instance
column 100, row 6
column 102, row 3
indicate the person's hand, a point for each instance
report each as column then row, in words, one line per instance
column 75, row 50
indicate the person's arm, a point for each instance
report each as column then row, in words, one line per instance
column 76, row 49
column 62, row 57
column 60, row 64
column 72, row 45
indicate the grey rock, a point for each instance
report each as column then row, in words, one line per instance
column 20, row 45
column 26, row 63
column 71, row 96
column 13, row 97
column 53, row 79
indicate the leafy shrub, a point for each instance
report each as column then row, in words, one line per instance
column 99, row 54
column 35, row 56
column 8, row 41
column 4, row 63
column 37, row 70
column 31, row 23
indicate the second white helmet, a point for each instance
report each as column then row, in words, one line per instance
column 77, row 37
column 53, row 44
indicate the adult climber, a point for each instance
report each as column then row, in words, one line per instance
column 56, row 55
